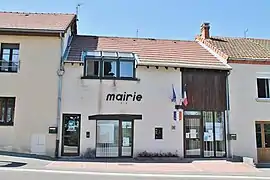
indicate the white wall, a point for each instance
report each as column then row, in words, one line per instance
column 65, row 40
column 245, row 110
column 87, row 97
column 35, row 89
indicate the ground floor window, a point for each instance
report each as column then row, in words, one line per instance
column 204, row 134
column 7, row 107
column 114, row 138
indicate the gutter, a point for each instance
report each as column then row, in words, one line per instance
column 60, row 73
column 173, row 65
column 31, row 30
column 249, row 59
column 228, row 116
column 182, row 65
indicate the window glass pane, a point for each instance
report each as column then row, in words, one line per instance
column 10, row 109
column 258, row 128
column 258, row 136
column 6, row 51
column 107, row 143
column 4, row 62
column 263, row 88
column 92, row 68
column 109, row 54
column 109, row 68
column 93, row 53
column 15, row 62
column 127, row 138
column 208, row 135
column 219, row 134
column 2, row 110
column 126, row 68
column 15, row 51
column 5, row 57
column 9, row 114
column 15, row 58
column 122, row 54
column 267, row 135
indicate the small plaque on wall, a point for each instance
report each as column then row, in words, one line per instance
column 232, row 137
column 52, row 130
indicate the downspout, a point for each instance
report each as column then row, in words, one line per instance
column 227, row 114
column 60, row 73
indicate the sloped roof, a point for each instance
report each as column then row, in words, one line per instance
column 174, row 52
column 35, row 21
column 241, row 48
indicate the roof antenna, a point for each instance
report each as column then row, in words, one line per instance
column 77, row 10
column 137, row 33
column 245, row 33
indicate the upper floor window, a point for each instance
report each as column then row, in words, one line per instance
column 109, row 65
column 9, row 60
column 7, row 107
column 263, row 88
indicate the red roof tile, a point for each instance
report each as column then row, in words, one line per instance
column 181, row 53
column 35, row 21
column 240, row 48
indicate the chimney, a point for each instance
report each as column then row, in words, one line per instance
column 205, row 33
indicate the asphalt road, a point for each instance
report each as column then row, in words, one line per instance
column 33, row 174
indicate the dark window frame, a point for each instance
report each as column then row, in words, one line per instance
column 11, row 47
column 6, row 106
column 263, row 92
column 101, row 68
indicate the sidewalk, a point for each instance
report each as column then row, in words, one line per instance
column 219, row 166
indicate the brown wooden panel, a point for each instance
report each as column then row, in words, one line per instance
column 263, row 153
column 206, row 89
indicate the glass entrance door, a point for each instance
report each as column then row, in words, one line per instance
column 127, row 138
column 204, row 134
column 114, row 138
column 193, row 136
column 71, row 135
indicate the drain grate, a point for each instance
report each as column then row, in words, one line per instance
column 125, row 164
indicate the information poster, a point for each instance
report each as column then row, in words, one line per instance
column 126, row 141
column 106, row 133
column 219, row 131
column 208, row 136
column 193, row 133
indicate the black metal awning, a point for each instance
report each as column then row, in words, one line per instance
column 115, row 117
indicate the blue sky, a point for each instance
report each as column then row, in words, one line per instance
column 166, row 19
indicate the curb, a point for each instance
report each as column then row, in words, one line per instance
column 25, row 155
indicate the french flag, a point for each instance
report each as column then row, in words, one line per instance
column 185, row 99
column 173, row 98
column 178, row 115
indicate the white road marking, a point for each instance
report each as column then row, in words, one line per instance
column 134, row 175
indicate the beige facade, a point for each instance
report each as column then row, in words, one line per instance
column 35, row 87
column 88, row 97
column 246, row 108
